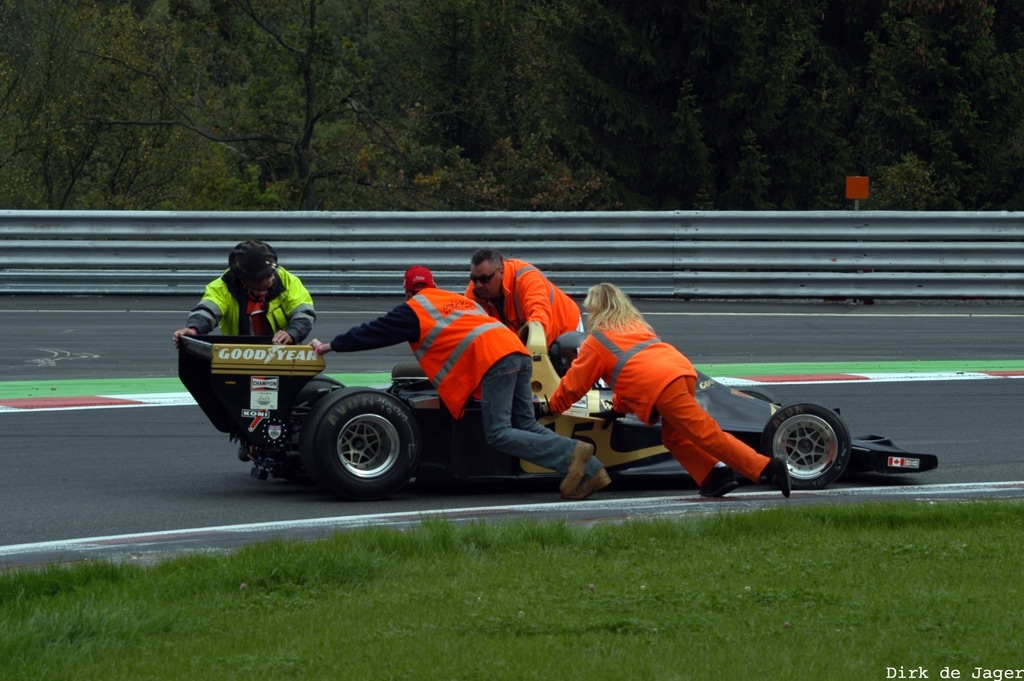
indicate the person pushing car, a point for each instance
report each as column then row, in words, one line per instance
column 466, row 353
column 516, row 293
column 654, row 380
column 254, row 297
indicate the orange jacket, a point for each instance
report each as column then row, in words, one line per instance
column 530, row 297
column 636, row 364
column 458, row 343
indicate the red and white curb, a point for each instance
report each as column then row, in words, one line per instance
column 95, row 402
column 178, row 399
column 890, row 377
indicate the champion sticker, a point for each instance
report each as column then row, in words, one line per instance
column 264, row 382
column 903, row 462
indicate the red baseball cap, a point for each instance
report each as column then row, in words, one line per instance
column 417, row 277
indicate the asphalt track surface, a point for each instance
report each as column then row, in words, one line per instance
column 138, row 482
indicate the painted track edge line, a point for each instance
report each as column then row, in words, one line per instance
column 170, row 541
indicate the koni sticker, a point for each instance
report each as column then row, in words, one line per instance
column 256, row 415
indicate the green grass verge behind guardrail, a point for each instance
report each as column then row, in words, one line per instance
column 135, row 386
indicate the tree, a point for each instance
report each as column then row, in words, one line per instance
column 909, row 184
column 62, row 152
column 937, row 87
column 674, row 100
column 473, row 91
column 512, row 105
column 264, row 79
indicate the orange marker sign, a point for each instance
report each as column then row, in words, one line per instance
column 856, row 188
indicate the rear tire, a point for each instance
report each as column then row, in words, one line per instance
column 317, row 387
column 360, row 444
column 813, row 440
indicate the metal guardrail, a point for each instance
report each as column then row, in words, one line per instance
column 649, row 254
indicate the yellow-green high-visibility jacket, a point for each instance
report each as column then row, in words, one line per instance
column 289, row 307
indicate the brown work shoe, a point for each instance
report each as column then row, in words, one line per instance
column 581, row 454
column 595, row 482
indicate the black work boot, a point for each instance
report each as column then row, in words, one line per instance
column 720, row 481
column 776, row 474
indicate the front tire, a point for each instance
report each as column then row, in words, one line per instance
column 813, row 440
column 360, row 444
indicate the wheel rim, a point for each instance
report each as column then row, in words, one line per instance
column 809, row 444
column 368, row 446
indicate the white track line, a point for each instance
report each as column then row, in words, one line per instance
column 594, row 508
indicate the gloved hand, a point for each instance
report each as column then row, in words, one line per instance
column 609, row 415
column 541, row 409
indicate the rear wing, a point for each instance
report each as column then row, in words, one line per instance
column 245, row 386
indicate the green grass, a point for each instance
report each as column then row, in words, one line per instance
column 128, row 386
column 132, row 386
column 788, row 593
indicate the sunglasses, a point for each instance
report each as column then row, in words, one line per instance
column 483, row 279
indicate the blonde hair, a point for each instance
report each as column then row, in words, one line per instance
column 609, row 309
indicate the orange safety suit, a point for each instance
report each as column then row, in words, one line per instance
column 530, row 297
column 458, row 343
column 652, row 379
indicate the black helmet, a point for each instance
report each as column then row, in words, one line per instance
column 252, row 261
column 564, row 350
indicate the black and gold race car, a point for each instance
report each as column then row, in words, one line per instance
column 293, row 421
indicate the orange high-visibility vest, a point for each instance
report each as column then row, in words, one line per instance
column 530, row 297
column 636, row 364
column 458, row 343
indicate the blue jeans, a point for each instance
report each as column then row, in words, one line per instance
column 510, row 425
